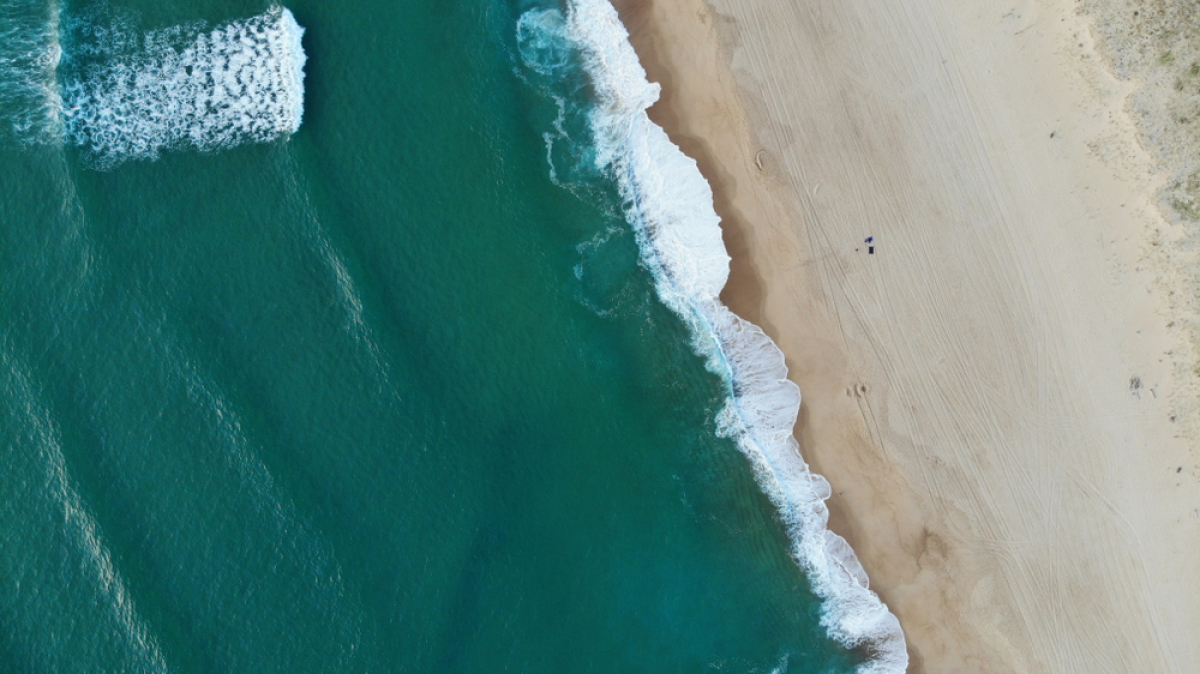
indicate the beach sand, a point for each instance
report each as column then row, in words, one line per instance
column 1003, row 393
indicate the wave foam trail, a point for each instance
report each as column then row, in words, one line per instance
column 670, row 205
column 29, row 57
column 89, row 594
column 239, row 82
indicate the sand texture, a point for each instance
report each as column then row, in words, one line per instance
column 1003, row 394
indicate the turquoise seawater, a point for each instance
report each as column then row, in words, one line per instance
column 385, row 394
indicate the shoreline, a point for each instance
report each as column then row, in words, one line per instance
column 934, row 502
column 681, row 241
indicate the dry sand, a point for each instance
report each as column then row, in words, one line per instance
column 1003, row 395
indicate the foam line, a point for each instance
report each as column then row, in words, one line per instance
column 670, row 206
column 239, row 82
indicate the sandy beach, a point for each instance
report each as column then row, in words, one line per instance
column 1001, row 385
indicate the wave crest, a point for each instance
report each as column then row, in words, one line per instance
column 240, row 82
column 98, row 83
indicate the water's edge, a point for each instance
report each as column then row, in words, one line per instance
column 670, row 205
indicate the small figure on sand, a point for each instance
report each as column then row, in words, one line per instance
column 870, row 248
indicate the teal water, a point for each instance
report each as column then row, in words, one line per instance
column 376, row 396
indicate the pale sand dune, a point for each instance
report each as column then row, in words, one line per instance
column 1006, row 418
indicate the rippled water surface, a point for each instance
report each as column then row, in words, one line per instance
column 393, row 392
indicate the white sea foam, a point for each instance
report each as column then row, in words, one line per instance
column 239, row 82
column 671, row 207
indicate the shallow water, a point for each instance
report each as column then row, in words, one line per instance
column 384, row 394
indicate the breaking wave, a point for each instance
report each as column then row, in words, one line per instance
column 120, row 94
column 670, row 205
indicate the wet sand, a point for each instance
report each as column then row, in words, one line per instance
column 1003, row 394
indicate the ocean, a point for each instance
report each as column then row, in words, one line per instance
column 384, row 338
